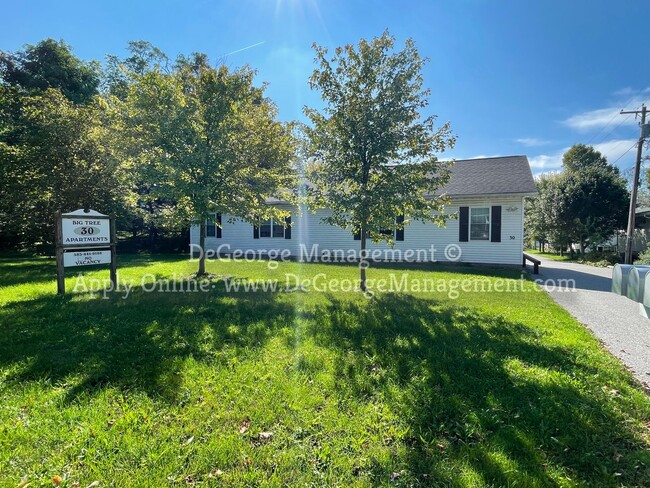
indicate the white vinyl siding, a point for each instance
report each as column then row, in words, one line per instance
column 308, row 230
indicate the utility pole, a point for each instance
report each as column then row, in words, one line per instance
column 635, row 183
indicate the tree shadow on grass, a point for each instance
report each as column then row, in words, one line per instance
column 479, row 391
column 134, row 343
column 30, row 270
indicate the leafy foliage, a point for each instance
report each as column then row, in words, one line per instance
column 51, row 64
column 56, row 155
column 210, row 141
column 162, row 146
column 585, row 204
column 372, row 152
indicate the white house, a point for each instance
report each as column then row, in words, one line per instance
column 488, row 195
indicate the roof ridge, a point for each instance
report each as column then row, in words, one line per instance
column 486, row 158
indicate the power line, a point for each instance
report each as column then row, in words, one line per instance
column 612, row 131
column 636, row 94
column 633, row 145
column 616, row 146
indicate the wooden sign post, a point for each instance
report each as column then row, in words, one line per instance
column 84, row 238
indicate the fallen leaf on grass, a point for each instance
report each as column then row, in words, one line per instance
column 57, row 480
column 189, row 441
column 94, row 484
column 245, row 425
column 215, row 473
column 395, row 475
column 265, row 436
column 23, row 484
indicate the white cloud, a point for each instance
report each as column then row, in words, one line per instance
column 627, row 91
column 546, row 162
column 616, row 148
column 484, row 156
column 532, row 141
column 601, row 117
column 613, row 150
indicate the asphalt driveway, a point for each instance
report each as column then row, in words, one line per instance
column 614, row 319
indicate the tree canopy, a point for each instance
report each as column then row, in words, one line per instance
column 210, row 140
column 372, row 150
column 585, row 204
column 51, row 64
column 56, row 149
column 162, row 145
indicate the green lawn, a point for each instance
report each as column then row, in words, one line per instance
column 549, row 255
column 305, row 388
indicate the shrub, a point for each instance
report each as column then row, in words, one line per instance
column 644, row 257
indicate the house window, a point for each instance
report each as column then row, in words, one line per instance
column 272, row 228
column 479, row 228
column 211, row 227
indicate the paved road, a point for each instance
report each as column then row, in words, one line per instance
column 614, row 319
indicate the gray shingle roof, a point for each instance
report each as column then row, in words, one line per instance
column 490, row 176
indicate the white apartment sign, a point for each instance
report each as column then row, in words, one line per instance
column 84, row 238
column 86, row 258
column 79, row 231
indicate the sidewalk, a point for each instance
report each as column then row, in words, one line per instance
column 614, row 319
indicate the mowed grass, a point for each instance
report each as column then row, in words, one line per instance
column 550, row 255
column 307, row 388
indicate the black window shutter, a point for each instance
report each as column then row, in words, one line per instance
column 463, row 224
column 357, row 236
column 218, row 219
column 256, row 229
column 287, row 230
column 496, row 224
column 399, row 233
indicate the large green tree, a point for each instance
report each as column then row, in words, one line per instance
column 51, row 64
column 595, row 203
column 372, row 149
column 584, row 204
column 210, row 140
column 56, row 155
column 152, row 213
column 56, row 149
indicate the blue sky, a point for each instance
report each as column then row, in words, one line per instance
column 512, row 77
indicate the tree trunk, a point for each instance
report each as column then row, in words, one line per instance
column 362, row 265
column 202, row 246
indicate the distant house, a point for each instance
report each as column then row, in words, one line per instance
column 487, row 194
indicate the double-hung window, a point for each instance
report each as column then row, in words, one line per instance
column 271, row 228
column 479, row 224
column 212, row 226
